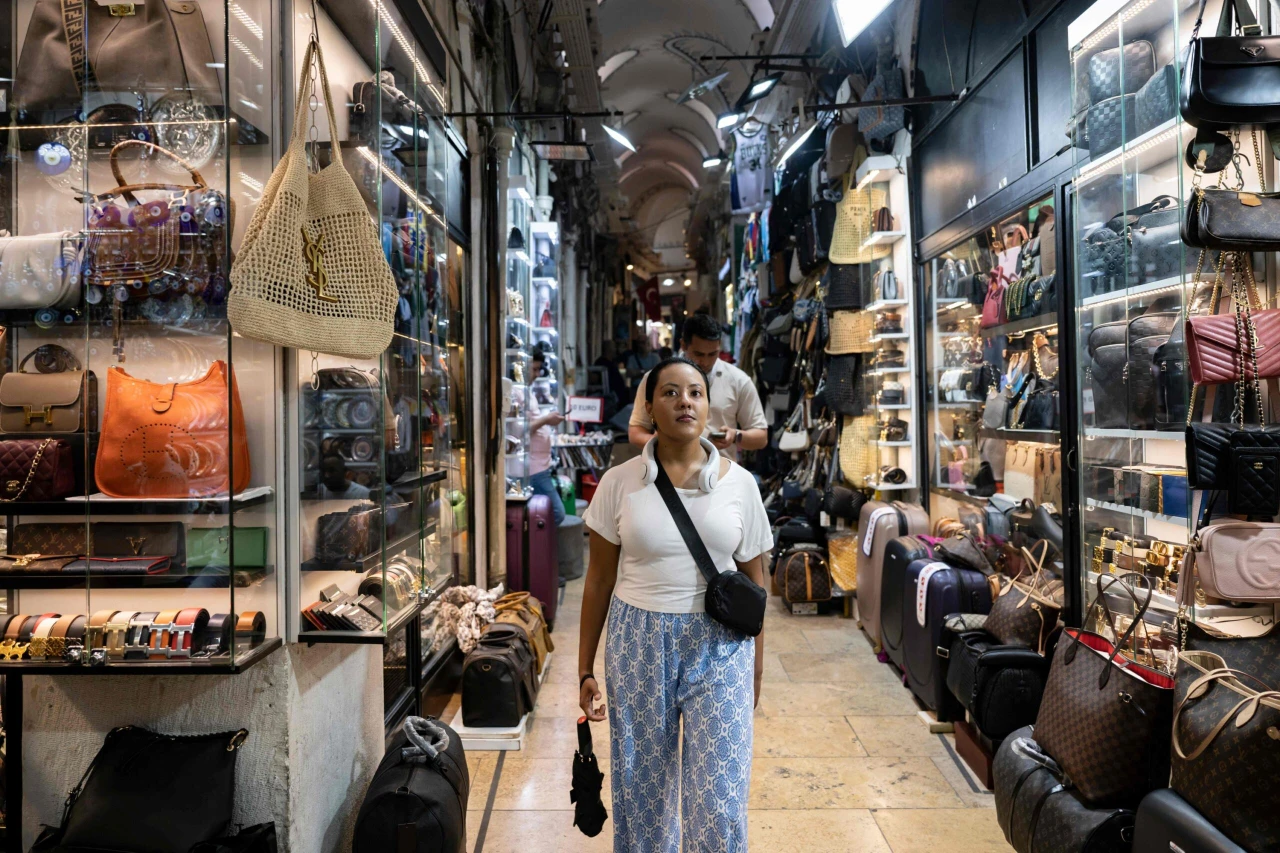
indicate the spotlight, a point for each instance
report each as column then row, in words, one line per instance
column 630, row 266
column 713, row 160
column 728, row 120
column 667, row 282
column 619, row 138
column 757, row 89
column 688, row 282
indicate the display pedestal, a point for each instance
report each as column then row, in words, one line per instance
column 970, row 747
column 506, row 739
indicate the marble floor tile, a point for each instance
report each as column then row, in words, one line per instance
column 849, row 783
column 841, row 636
column 897, row 736
column 534, row 832
column 774, row 672
column 847, row 667
column 835, row 700
column 539, row 784
column 556, row 736
column 806, row 831
column 831, row 737
column 931, row 830
column 965, row 783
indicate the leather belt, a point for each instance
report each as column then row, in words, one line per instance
column 116, row 633
column 158, row 640
column 137, row 641
column 251, row 628
column 56, row 645
column 40, row 638
column 188, row 632
column 218, row 634
column 95, row 636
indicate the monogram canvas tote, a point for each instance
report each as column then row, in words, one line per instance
column 310, row 273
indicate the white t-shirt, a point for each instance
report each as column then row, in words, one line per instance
column 733, row 403
column 656, row 571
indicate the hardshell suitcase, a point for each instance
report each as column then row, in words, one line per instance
column 515, row 545
column 878, row 524
column 1037, row 814
column 540, row 558
column 1167, row 822
column 946, row 590
column 898, row 554
column 417, row 801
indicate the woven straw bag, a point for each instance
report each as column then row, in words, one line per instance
column 310, row 273
column 851, row 332
column 854, row 213
column 842, row 558
column 857, row 460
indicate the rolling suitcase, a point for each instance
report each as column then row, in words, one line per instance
column 1038, row 815
column 1167, row 822
column 946, row 590
column 878, row 524
column 898, row 554
column 515, row 545
column 541, row 557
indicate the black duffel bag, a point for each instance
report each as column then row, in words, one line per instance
column 1037, row 812
column 1000, row 686
column 499, row 684
column 417, row 800
column 136, row 795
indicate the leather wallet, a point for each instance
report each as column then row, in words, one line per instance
column 118, row 566
column 210, row 547
column 34, row 564
column 50, row 538
column 141, row 539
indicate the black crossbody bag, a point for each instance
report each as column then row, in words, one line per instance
column 733, row 599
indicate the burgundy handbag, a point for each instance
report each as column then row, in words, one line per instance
column 993, row 306
column 1242, row 345
column 33, row 469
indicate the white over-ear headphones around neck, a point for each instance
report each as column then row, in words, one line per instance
column 706, row 480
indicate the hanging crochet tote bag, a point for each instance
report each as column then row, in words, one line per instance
column 310, row 273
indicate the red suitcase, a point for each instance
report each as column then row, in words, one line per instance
column 515, row 546
column 541, row 563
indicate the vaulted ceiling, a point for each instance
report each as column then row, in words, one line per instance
column 651, row 51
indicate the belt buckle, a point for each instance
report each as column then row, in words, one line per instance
column 115, row 641
column 134, row 642
column 38, row 647
column 176, row 633
column 75, row 654
column 13, row 650
column 94, row 636
column 55, row 648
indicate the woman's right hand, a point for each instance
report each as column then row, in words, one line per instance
column 588, row 696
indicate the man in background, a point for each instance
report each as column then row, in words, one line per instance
column 736, row 421
column 640, row 361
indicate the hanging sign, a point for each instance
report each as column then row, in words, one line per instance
column 587, row 410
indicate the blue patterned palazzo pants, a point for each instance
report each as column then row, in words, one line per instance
column 664, row 669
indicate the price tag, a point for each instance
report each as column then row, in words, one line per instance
column 587, row 410
column 870, row 533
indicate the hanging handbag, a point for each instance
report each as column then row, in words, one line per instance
column 43, row 403
column 1231, row 561
column 732, row 598
column 142, row 772
column 36, row 470
column 853, row 226
column 1232, row 220
column 74, row 48
column 1241, row 346
column 1229, row 79
column 40, row 271
column 173, row 245
column 842, row 558
column 878, row 124
column 795, row 434
column 176, row 440
column 993, row 305
column 844, row 286
column 310, row 272
column 857, row 457
column 1104, row 718
column 1023, row 615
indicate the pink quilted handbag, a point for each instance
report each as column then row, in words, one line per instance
column 993, row 303
column 1218, row 354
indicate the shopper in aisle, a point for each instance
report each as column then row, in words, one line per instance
column 737, row 418
column 639, row 361
column 670, row 667
column 542, row 423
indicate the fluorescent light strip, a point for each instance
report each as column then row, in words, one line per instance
column 1127, row 154
column 399, row 182
column 238, row 12
column 252, row 183
column 1127, row 296
column 239, row 45
column 403, row 41
column 1095, row 39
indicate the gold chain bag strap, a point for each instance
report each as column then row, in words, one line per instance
column 310, row 272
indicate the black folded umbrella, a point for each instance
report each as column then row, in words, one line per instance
column 588, row 809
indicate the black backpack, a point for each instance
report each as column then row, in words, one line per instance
column 417, row 801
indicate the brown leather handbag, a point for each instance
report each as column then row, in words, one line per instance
column 522, row 609
column 36, row 470
column 174, row 440
column 1105, row 719
column 43, row 403
column 805, row 576
column 1024, row 614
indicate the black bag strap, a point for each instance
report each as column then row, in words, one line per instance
column 685, row 524
column 1244, row 15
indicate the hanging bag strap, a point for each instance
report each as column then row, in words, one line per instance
column 684, row 524
column 298, row 136
column 74, row 13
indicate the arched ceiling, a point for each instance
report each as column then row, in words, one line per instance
column 672, row 40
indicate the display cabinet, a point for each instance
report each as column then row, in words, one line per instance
column 1135, row 283
column 140, row 437
column 994, row 414
column 521, row 253
column 374, row 516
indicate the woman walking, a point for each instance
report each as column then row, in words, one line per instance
column 667, row 661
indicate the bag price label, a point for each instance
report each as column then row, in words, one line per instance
column 587, row 410
column 869, row 534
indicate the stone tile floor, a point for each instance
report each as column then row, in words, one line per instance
column 842, row 761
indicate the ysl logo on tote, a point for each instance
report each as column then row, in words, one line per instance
column 317, row 280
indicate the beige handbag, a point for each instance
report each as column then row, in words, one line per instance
column 42, row 403
column 857, row 459
column 1048, row 476
column 842, row 558
column 1020, row 471
column 851, row 332
column 853, row 225
column 310, row 273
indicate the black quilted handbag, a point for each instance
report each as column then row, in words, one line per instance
column 1000, row 686
column 1157, row 100
column 1038, row 814
column 1041, row 297
column 1103, row 123
column 1253, row 485
column 1107, row 80
column 1102, row 257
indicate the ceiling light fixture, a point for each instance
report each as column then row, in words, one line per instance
column 619, row 138
column 667, row 282
column 701, row 88
column 713, row 160
column 728, row 120
column 757, row 89
column 630, row 266
column 796, row 143
column 688, row 282
column 854, row 16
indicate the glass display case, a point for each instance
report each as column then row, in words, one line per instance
column 1135, row 283
column 521, row 252
column 140, row 436
column 374, row 436
column 993, row 363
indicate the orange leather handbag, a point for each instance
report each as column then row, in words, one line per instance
column 173, row 440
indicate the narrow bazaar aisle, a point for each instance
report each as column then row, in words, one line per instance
column 842, row 761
